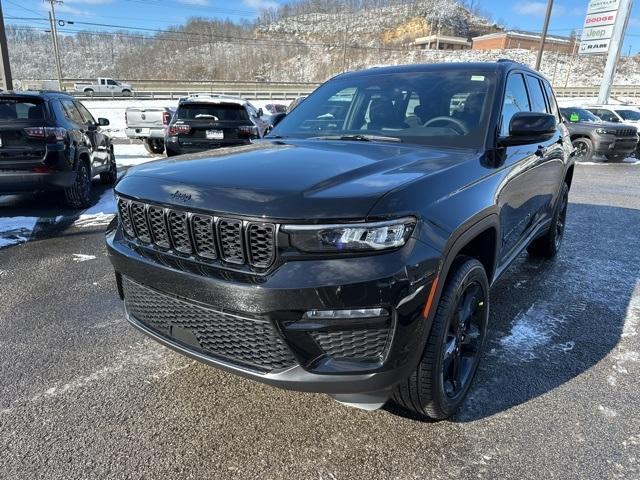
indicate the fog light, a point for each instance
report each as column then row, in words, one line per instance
column 352, row 313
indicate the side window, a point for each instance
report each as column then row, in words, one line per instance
column 551, row 98
column 71, row 112
column 111, row 82
column 515, row 100
column 537, row 96
column 606, row 115
column 103, row 81
column 86, row 115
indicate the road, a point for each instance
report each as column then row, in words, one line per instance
column 83, row 395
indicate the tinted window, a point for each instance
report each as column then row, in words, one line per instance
column 12, row 109
column 217, row 112
column 631, row 115
column 86, row 115
column 536, row 95
column 551, row 100
column 606, row 115
column 579, row 115
column 112, row 82
column 449, row 108
column 71, row 112
column 515, row 100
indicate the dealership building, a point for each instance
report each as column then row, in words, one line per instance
column 513, row 39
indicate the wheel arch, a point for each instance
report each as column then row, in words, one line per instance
column 568, row 176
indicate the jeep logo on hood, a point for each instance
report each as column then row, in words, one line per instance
column 182, row 197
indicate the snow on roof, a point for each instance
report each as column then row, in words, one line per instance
column 213, row 98
column 442, row 38
column 523, row 34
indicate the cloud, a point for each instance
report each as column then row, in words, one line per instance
column 538, row 9
column 261, row 4
column 195, row 3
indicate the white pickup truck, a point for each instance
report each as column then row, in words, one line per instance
column 104, row 85
column 148, row 124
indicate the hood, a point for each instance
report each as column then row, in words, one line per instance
column 301, row 179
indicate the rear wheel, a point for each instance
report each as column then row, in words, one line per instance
column 110, row 176
column 548, row 245
column 88, row 91
column 79, row 194
column 583, row 148
column 154, row 145
column 438, row 386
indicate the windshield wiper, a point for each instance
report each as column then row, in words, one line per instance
column 360, row 138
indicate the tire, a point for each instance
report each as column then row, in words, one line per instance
column 88, row 91
column 79, row 194
column 584, row 149
column 154, row 146
column 430, row 391
column 110, row 176
column 126, row 93
column 549, row 244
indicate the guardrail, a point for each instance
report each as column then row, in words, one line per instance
column 632, row 91
column 174, row 95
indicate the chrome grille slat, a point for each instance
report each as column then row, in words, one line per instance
column 205, row 237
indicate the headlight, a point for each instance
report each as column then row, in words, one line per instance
column 350, row 237
column 605, row 131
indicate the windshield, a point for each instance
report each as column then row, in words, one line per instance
column 447, row 108
column 12, row 109
column 632, row 115
column 226, row 112
column 579, row 115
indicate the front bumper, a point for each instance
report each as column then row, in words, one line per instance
column 611, row 145
column 398, row 281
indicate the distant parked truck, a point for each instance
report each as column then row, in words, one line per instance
column 104, row 85
column 148, row 124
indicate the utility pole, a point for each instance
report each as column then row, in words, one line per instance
column 5, row 73
column 617, row 39
column 54, row 38
column 545, row 28
column 344, row 47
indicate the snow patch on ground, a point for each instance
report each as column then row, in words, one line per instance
column 133, row 154
column 14, row 230
column 530, row 332
column 81, row 257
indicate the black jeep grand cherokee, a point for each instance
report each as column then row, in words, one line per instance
column 351, row 252
column 50, row 141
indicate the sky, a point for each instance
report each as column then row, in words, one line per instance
column 159, row 14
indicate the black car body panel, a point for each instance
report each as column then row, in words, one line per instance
column 487, row 200
column 39, row 149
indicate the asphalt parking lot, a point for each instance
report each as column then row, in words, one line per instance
column 84, row 396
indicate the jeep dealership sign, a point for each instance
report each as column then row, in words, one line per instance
column 598, row 26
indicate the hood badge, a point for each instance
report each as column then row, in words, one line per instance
column 183, row 197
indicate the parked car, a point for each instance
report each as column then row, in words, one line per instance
column 296, row 101
column 629, row 114
column 104, row 85
column 273, row 108
column 149, row 125
column 203, row 122
column 592, row 136
column 349, row 252
column 50, row 141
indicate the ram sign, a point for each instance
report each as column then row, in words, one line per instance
column 598, row 26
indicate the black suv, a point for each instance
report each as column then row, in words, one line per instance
column 203, row 122
column 351, row 252
column 50, row 141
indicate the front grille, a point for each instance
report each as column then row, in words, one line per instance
column 369, row 344
column 629, row 132
column 205, row 237
column 246, row 342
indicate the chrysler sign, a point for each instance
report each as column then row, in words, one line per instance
column 598, row 26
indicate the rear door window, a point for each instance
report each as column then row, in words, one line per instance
column 71, row 112
column 13, row 109
column 515, row 100
column 214, row 112
column 536, row 95
column 86, row 115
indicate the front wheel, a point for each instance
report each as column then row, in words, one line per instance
column 583, row 148
column 126, row 93
column 439, row 384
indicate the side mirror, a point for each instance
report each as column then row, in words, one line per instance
column 277, row 118
column 260, row 112
column 103, row 122
column 528, row 128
